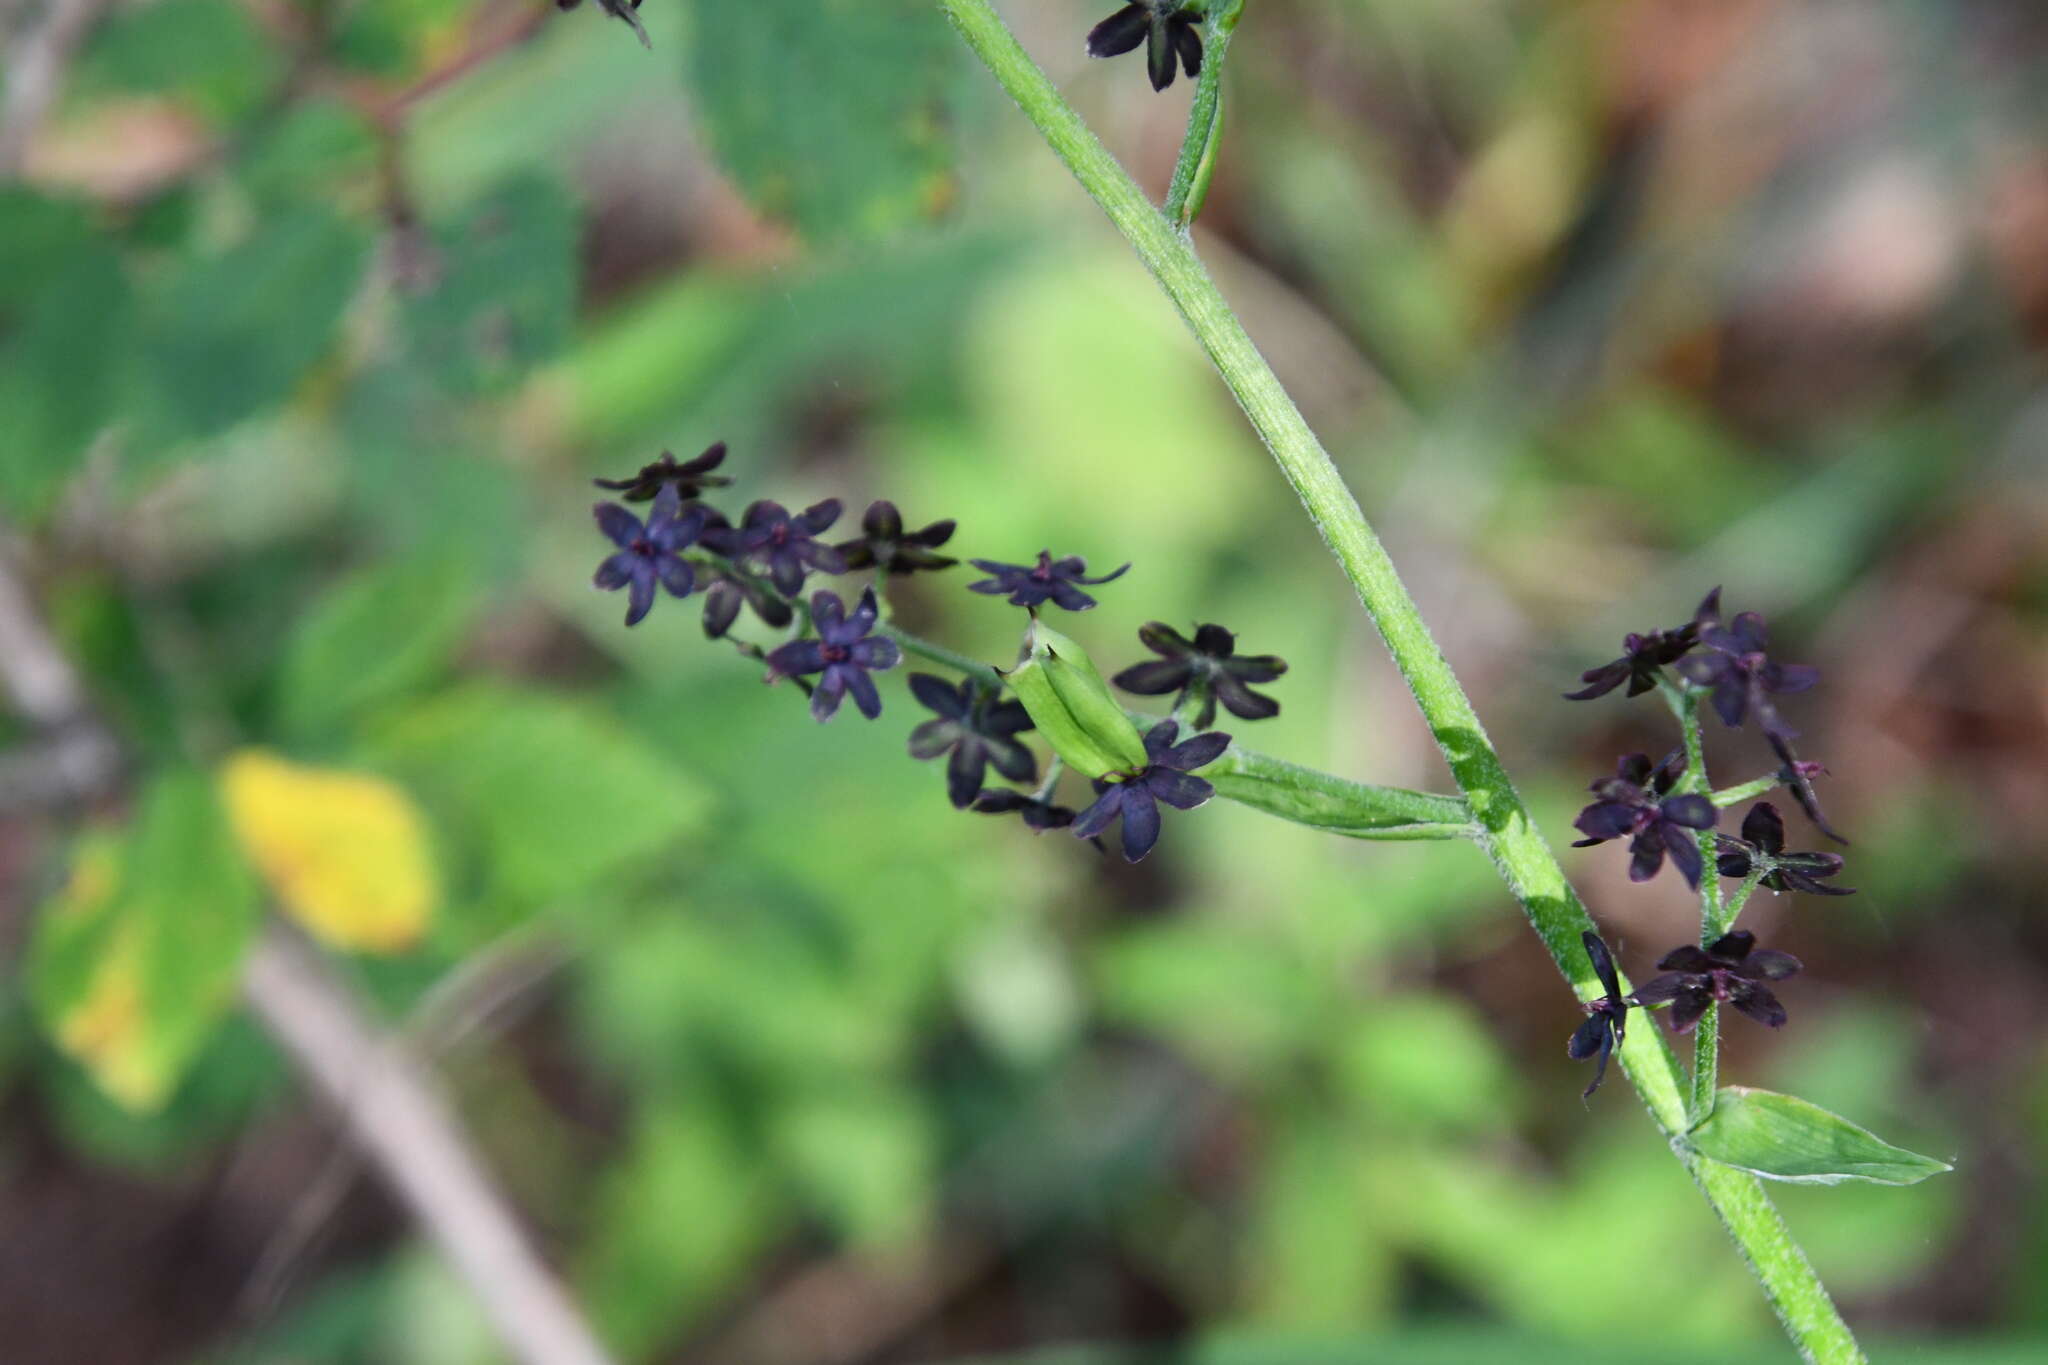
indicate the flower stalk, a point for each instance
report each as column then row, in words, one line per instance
column 1508, row 833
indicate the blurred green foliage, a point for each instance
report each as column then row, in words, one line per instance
column 315, row 319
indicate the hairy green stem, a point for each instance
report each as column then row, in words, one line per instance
column 1520, row 853
column 1191, row 171
column 1706, row 1041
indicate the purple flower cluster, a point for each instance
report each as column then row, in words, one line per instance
column 832, row 651
column 1665, row 810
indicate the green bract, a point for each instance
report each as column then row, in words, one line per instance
column 1783, row 1137
column 1071, row 705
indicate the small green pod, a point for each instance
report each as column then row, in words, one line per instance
column 1071, row 705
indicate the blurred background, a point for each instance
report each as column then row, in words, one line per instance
column 316, row 318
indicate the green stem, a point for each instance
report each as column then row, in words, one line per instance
column 1190, row 184
column 1706, row 1042
column 1520, row 853
column 1741, row 898
column 1736, row 795
column 939, row 654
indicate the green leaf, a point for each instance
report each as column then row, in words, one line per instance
column 557, row 794
column 230, row 335
column 62, row 361
column 829, row 113
column 211, row 54
column 372, row 638
column 1782, row 1137
column 505, row 295
column 1320, row 801
column 135, row 962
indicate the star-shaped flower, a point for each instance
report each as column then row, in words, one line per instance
column 1039, row 813
column 1135, row 799
column 1762, row 846
column 1208, row 664
column 1742, row 676
column 689, row 479
column 1731, row 971
column 1169, row 28
column 1643, row 655
column 1606, row 1018
column 618, row 9
column 886, row 546
column 649, row 551
column 1029, row 585
column 979, row 731
column 1635, row 804
column 842, row 653
column 783, row 546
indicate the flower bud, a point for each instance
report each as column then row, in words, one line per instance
column 1071, row 705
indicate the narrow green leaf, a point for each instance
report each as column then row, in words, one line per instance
column 1782, row 1137
column 136, row 961
column 829, row 113
column 1324, row 802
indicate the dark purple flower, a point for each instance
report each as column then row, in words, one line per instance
column 727, row 590
column 843, row 652
column 1762, row 848
column 1039, row 813
column 1606, row 1018
column 1207, row 664
column 978, row 729
column 1635, row 804
column 1166, row 778
column 782, row 546
column 1797, row 774
column 886, row 546
column 1643, row 655
column 1725, row 971
column 649, row 552
column 689, row 478
column 1169, row 28
column 618, row 9
column 1029, row 585
column 1742, row 676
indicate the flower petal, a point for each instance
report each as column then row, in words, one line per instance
column 1764, row 827
column 616, row 572
column 1119, row 33
column 1182, row 791
column 1768, row 964
column 963, row 772
column 1098, row 816
column 1758, row 1003
column 676, row 575
column 826, row 696
column 882, row 521
column 640, row 600
column 865, row 696
column 1141, row 821
column 1154, row 677
column 933, row 738
column 619, row 525
column 1194, row 753
column 938, row 695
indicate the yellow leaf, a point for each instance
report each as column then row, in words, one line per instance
column 108, row 1030
column 345, row 853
